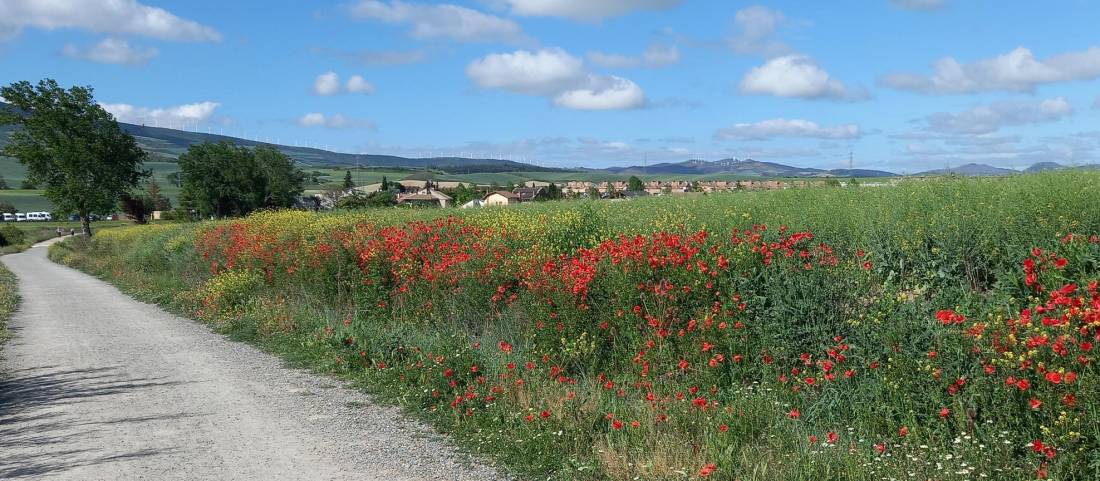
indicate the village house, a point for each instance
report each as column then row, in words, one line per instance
column 425, row 197
column 528, row 194
column 500, row 197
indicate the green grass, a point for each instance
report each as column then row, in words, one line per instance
column 9, row 300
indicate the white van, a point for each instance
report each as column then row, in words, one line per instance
column 8, row 217
column 20, row 217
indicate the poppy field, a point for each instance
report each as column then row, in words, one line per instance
column 937, row 329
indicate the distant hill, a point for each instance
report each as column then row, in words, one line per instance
column 746, row 167
column 1044, row 166
column 971, row 169
column 168, row 144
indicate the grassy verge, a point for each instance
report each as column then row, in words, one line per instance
column 936, row 330
column 18, row 237
column 9, row 299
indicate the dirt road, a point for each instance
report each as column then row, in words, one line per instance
column 102, row 387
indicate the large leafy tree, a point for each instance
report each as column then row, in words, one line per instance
column 223, row 179
column 71, row 147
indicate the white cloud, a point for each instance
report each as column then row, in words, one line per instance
column 755, row 29
column 555, row 73
column 584, row 10
column 985, row 119
column 1015, row 71
column 178, row 116
column 919, row 4
column 658, row 55
column 328, row 84
column 440, row 21
column 605, row 93
column 545, row 72
column 358, row 85
column 773, row 128
column 335, row 121
column 796, row 76
column 110, row 16
column 111, row 50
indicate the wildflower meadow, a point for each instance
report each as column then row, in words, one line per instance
column 935, row 329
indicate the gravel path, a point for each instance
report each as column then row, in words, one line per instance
column 102, row 387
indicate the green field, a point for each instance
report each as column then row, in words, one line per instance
column 938, row 329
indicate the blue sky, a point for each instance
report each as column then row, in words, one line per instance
column 907, row 85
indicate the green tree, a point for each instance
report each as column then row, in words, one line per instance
column 72, row 146
column 634, row 184
column 282, row 180
column 553, row 192
column 463, row 194
column 157, row 199
column 228, row 180
column 7, row 208
column 348, row 183
column 385, row 184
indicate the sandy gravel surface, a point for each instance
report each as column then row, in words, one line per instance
column 102, row 387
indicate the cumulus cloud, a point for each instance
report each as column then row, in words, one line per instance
column 797, row 76
column 358, row 85
column 604, row 93
column 754, row 32
column 584, row 10
column 554, row 73
column 773, row 128
column 440, row 21
column 1015, row 71
column 919, row 4
column 545, row 72
column 334, row 121
column 328, row 84
column 658, row 55
column 985, row 119
column 111, row 50
column 113, row 17
column 180, row 115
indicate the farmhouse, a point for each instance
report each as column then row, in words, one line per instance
column 500, row 197
column 527, row 194
column 426, row 197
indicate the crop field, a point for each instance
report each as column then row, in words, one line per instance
column 942, row 329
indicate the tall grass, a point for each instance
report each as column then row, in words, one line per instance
column 9, row 300
column 845, row 333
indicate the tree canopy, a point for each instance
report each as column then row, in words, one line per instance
column 223, row 179
column 71, row 147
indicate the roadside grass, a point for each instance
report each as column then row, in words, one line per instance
column 20, row 236
column 9, row 300
column 585, row 340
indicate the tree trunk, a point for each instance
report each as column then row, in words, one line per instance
column 86, row 225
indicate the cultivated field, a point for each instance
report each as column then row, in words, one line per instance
column 939, row 329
